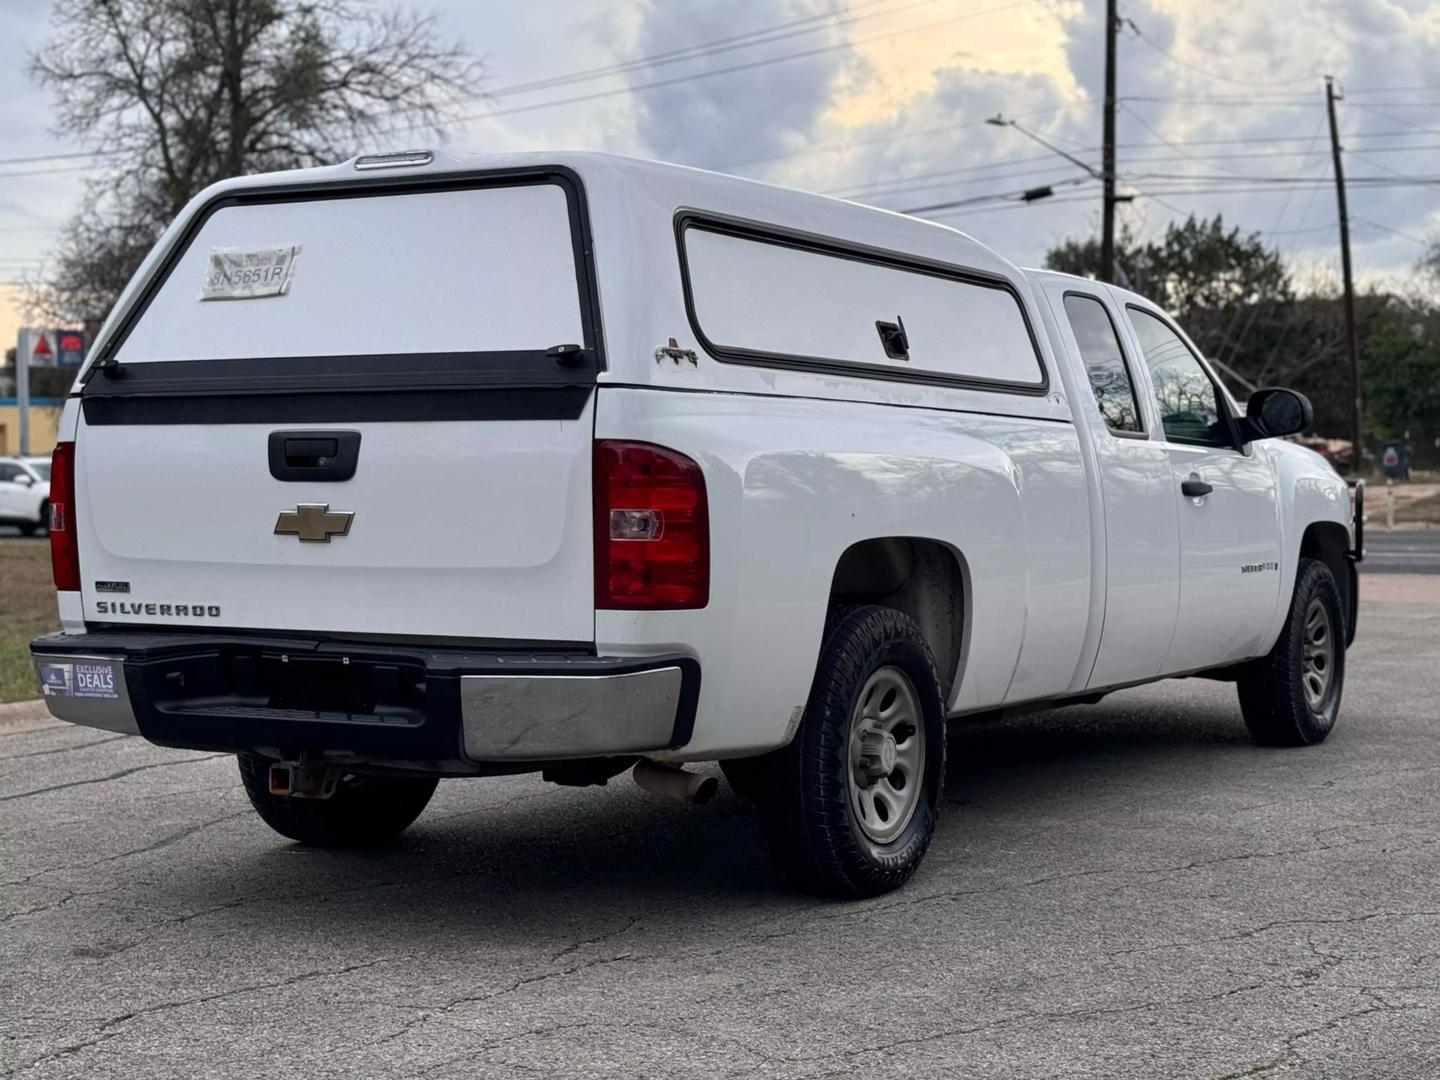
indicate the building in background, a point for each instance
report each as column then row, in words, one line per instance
column 44, row 365
column 44, row 423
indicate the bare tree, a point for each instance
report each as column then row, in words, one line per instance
column 173, row 95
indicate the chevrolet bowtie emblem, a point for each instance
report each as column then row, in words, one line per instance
column 313, row 523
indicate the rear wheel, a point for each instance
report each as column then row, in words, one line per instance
column 364, row 809
column 748, row 777
column 1292, row 696
column 852, row 802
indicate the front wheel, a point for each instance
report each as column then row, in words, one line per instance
column 30, row 528
column 364, row 809
column 854, row 799
column 1292, row 696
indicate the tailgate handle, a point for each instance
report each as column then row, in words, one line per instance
column 314, row 455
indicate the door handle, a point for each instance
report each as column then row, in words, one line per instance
column 1195, row 488
column 297, row 456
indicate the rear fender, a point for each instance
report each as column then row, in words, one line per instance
column 793, row 483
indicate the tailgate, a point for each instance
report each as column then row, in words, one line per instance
column 360, row 409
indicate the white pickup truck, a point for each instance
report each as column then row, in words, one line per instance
column 419, row 467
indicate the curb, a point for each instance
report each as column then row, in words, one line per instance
column 18, row 716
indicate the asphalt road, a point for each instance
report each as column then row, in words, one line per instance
column 1127, row 889
column 1403, row 551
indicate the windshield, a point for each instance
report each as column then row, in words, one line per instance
column 40, row 469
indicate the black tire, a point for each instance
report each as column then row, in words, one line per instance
column 1278, row 709
column 748, row 777
column 364, row 809
column 815, row 835
column 30, row 528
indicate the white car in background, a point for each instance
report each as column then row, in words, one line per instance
column 25, row 493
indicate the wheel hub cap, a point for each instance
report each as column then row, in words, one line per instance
column 1317, row 665
column 887, row 755
column 877, row 754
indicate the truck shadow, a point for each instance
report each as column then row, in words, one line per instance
column 536, row 866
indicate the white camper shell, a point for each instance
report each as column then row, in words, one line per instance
column 457, row 466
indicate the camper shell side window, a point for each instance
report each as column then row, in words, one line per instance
column 762, row 295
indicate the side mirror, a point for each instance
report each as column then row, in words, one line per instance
column 1275, row 411
column 25, row 480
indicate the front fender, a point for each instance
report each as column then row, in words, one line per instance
column 1310, row 492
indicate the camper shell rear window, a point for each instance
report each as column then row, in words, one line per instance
column 762, row 295
column 461, row 280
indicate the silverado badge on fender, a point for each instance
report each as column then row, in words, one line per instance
column 313, row 523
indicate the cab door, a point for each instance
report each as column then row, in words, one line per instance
column 1142, row 543
column 1225, row 495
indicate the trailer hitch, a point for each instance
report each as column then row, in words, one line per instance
column 308, row 778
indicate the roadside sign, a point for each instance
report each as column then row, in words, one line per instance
column 69, row 348
column 46, row 346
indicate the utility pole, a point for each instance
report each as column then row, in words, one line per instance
column 1351, row 346
column 1107, row 161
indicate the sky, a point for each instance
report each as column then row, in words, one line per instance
column 1222, row 110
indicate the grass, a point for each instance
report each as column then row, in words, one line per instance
column 27, row 608
column 1423, row 509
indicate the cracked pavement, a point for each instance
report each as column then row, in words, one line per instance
column 1125, row 889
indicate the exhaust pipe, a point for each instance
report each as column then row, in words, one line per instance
column 688, row 787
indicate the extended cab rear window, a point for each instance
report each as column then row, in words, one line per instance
column 783, row 300
column 480, row 269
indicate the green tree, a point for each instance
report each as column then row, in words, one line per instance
column 172, row 95
column 1401, row 358
column 1232, row 293
column 1241, row 306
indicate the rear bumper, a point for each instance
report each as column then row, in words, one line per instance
column 415, row 704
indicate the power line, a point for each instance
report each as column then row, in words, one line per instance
column 749, row 39
column 810, row 24
column 993, row 196
column 1248, row 103
column 1135, row 30
column 882, row 141
column 921, row 181
column 907, row 182
column 732, row 69
column 1145, row 124
column 1390, row 89
column 52, row 157
column 1393, row 119
column 1397, row 232
column 1399, row 179
column 49, row 172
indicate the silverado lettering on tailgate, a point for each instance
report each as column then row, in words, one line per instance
column 179, row 611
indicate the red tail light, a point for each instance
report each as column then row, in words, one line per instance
column 652, row 529
column 64, row 546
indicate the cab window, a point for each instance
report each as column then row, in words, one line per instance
column 1104, row 363
column 1188, row 399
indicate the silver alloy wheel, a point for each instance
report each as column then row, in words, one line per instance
column 887, row 755
column 1317, row 664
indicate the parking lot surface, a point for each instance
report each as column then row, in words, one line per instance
column 1125, row 889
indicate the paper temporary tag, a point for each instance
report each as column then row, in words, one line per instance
column 249, row 273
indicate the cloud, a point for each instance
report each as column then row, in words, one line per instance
column 760, row 111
